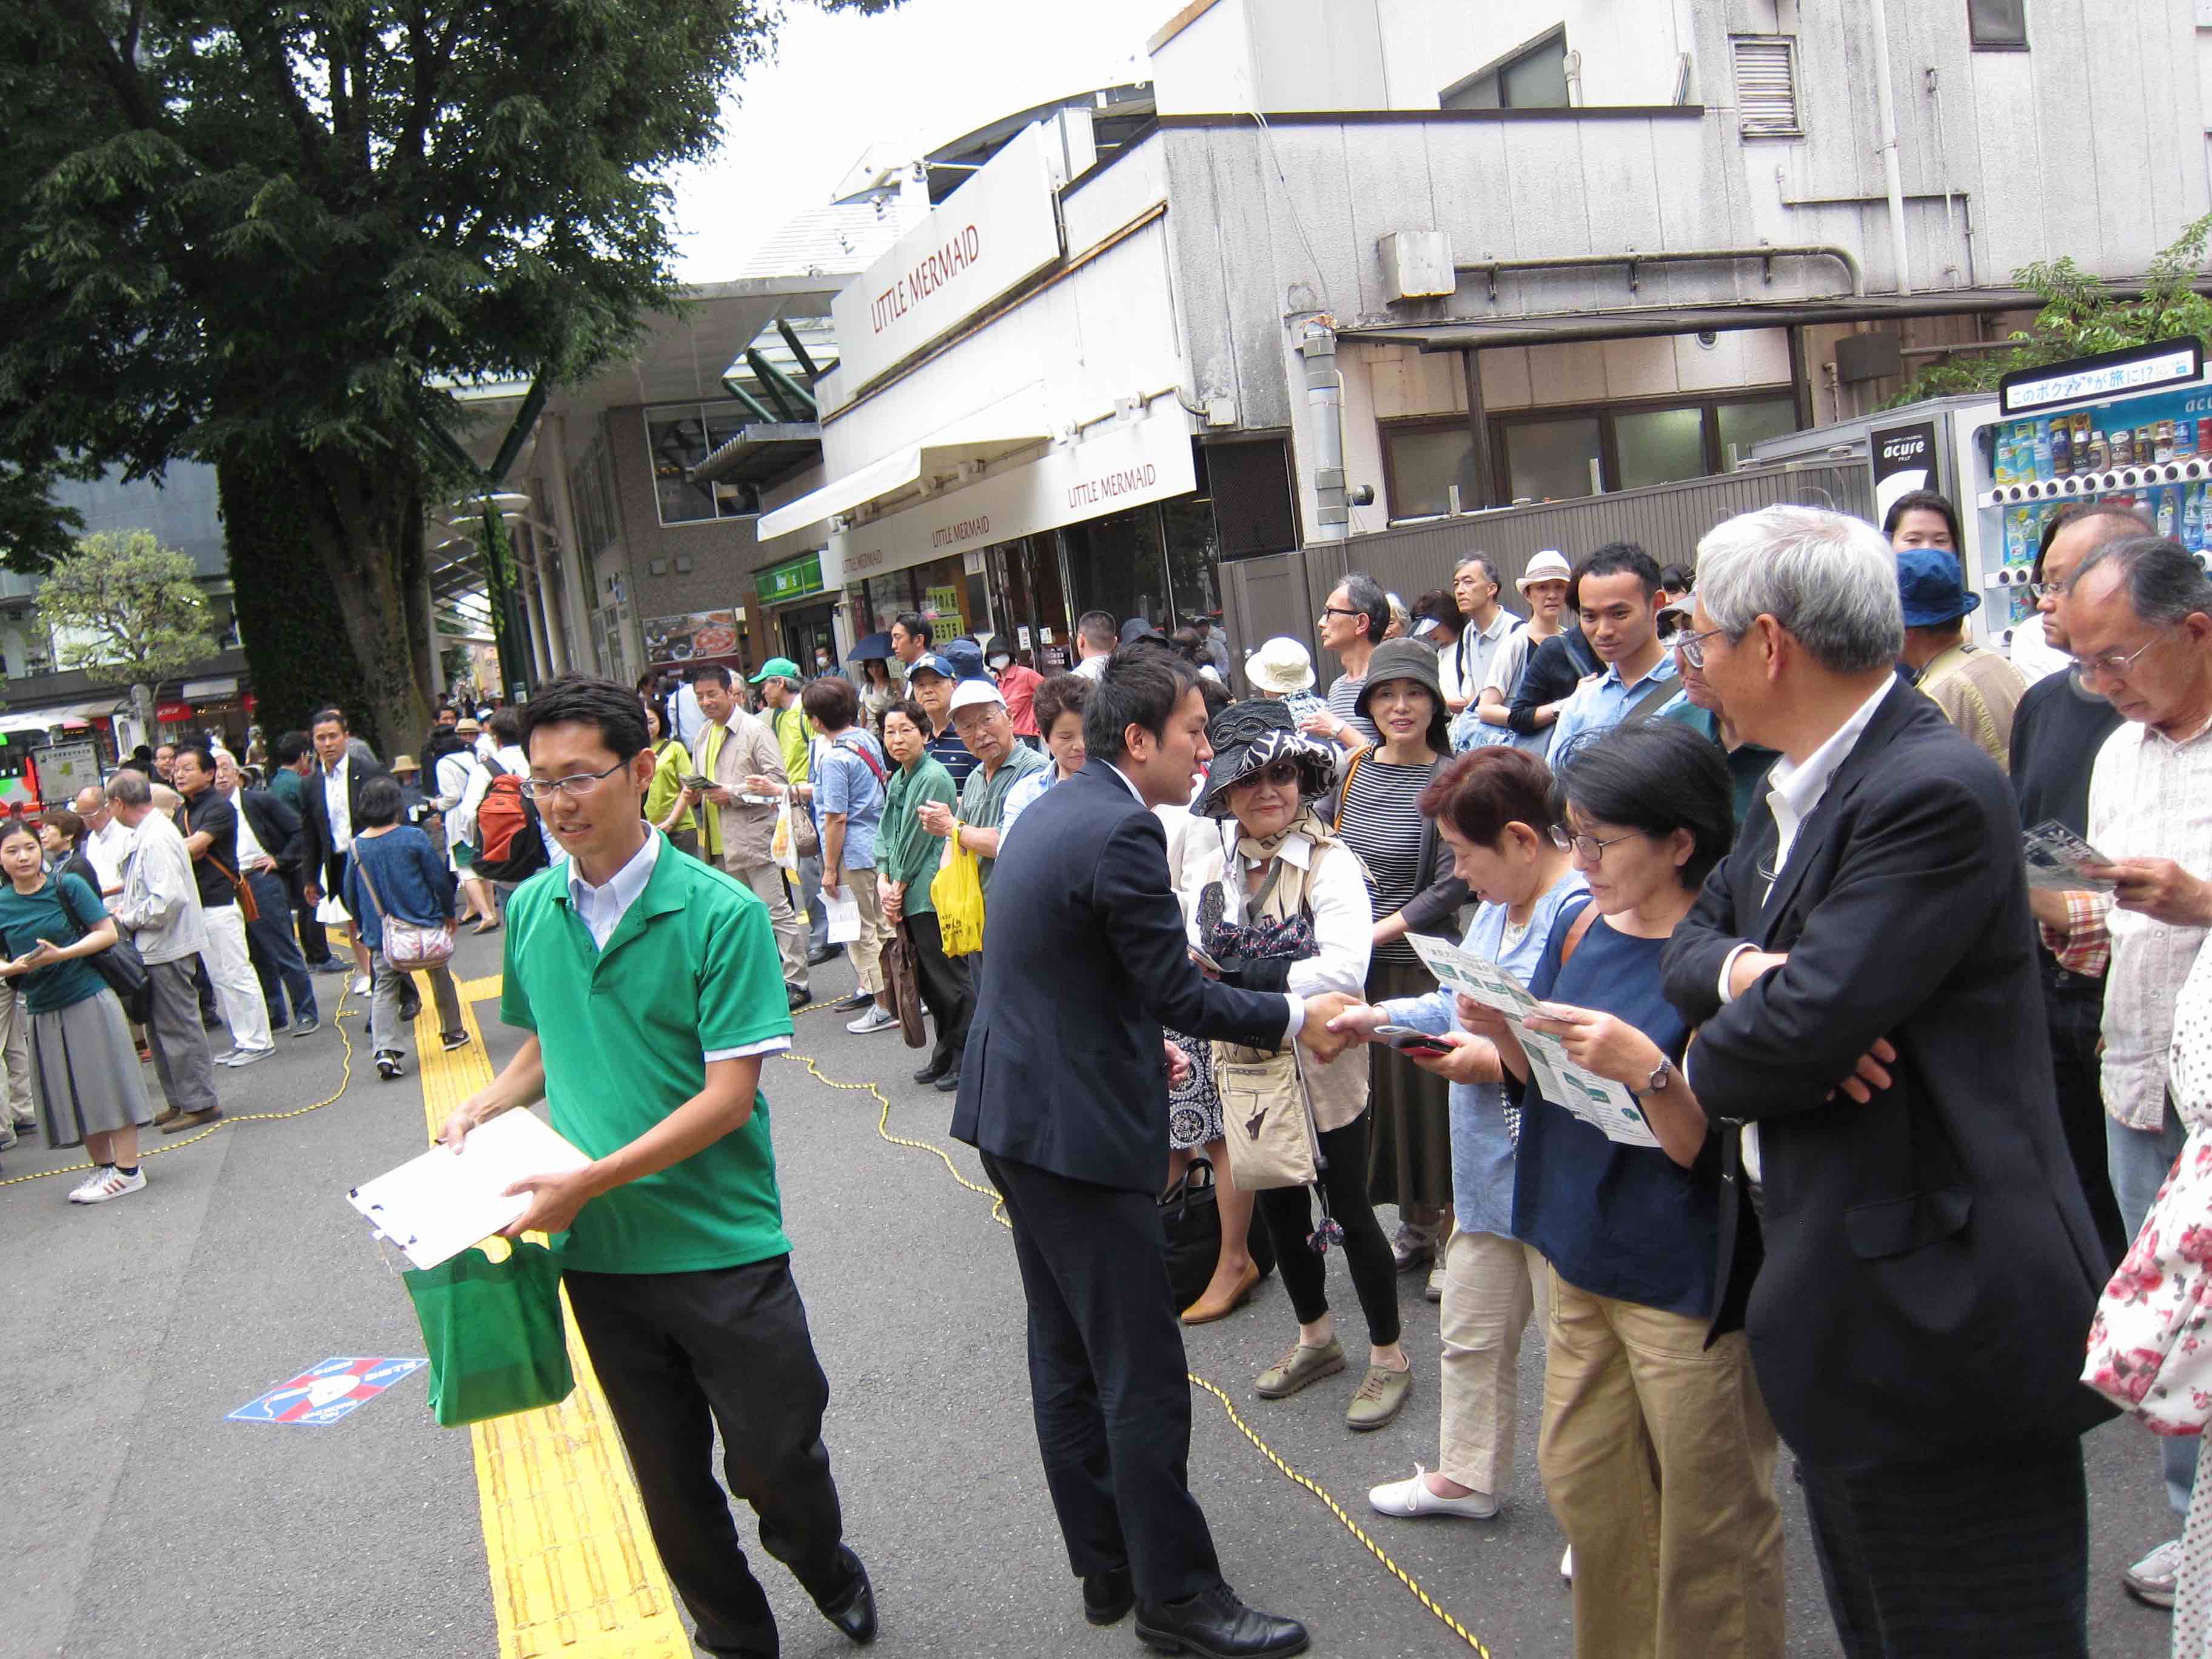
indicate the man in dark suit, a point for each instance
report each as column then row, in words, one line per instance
column 332, row 794
column 269, row 839
column 1916, row 1269
column 1064, row 1090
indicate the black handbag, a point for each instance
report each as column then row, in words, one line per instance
column 1190, row 1225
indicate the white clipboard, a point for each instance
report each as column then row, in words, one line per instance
column 435, row 1207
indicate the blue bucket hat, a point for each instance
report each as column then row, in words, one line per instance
column 966, row 657
column 1933, row 586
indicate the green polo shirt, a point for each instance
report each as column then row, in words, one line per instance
column 691, row 969
column 983, row 800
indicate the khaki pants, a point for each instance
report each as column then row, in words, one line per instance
column 16, row 1042
column 867, row 951
column 767, row 880
column 1490, row 1286
column 1658, row 1457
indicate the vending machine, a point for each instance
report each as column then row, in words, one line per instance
column 2133, row 427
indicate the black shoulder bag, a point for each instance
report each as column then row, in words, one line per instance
column 120, row 965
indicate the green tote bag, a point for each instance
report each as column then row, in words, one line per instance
column 494, row 1333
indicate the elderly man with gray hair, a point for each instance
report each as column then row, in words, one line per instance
column 1903, row 1235
column 160, row 908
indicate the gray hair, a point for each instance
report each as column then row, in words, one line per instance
column 1365, row 595
column 1829, row 578
column 2162, row 578
column 129, row 788
column 1489, row 568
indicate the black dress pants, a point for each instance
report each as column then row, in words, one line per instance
column 948, row 990
column 1288, row 1213
column 1108, row 1380
column 314, row 943
column 1976, row 1556
column 680, row 1355
column 2074, row 1010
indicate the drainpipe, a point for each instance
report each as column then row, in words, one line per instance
column 1325, row 410
column 1886, row 100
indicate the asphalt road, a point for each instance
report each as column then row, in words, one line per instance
column 144, row 1523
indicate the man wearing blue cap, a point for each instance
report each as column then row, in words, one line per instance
column 1977, row 689
column 930, row 677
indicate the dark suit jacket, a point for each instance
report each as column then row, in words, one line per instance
column 1930, row 1268
column 320, row 862
column 275, row 826
column 1083, row 957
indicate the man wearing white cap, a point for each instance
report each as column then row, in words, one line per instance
column 979, row 715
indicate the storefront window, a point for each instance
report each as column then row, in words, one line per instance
column 1193, row 559
column 1031, row 609
column 1116, row 565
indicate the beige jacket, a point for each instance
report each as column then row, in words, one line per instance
column 741, row 831
column 1977, row 692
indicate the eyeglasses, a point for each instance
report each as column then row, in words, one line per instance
column 1588, row 848
column 2050, row 590
column 575, row 786
column 1282, row 774
column 2111, row 665
column 1328, row 610
column 1691, row 646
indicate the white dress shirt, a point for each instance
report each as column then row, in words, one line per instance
column 338, row 805
column 2151, row 797
column 601, row 909
column 252, row 854
column 2033, row 653
column 107, row 848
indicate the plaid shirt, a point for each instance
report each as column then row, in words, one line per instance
column 2083, row 946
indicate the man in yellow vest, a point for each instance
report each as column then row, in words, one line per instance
column 735, row 832
column 779, row 684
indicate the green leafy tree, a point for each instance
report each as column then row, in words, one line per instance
column 125, row 602
column 273, row 234
column 2081, row 317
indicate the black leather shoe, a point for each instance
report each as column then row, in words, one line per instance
column 857, row 1000
column 930, row 1073
column 821, row 954
column 949, row 1083
column 1215, row 1624
column 1108, row 1596
column 854, row 1610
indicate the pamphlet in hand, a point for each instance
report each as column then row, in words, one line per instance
column 435, row 1207
column 2057, row 857
column 1599, row 1101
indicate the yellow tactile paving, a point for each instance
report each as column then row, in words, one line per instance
column 574, row 1572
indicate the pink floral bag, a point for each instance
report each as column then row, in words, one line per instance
column 2149, row 1353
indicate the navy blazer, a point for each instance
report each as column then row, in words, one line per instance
column 1083, row 957
column 1927, row 1269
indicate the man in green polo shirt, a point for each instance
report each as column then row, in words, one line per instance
column 979, row 715
column 651, row 988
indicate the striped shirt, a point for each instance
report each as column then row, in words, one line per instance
column 1381, row 823
column 1343, row 703
column 954, row 755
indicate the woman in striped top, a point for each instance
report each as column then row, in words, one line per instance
column 1413, row 890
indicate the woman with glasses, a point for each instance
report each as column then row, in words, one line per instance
column 1413, row 890
column 396, row 875
column 1656, row 1451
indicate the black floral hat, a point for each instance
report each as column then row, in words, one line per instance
column 1251, row 735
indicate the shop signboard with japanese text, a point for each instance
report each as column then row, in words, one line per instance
column 693, row 635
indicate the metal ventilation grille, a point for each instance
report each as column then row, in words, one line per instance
column 1767, row 86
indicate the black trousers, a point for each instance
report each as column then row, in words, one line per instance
column 680, row 1355
column 276, row 959
column 1107, row 1380
column 948, row 991
column 2074, row 1010
column 1984, row 1556
column 1288, row 1212
column 314, row 943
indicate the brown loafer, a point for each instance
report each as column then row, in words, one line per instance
column 1207, row 1308
column 167, row 1114
column 179, row 1122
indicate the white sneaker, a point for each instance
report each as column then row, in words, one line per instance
column 112, row 1183
column 876, row 1019
column 2152, row 1578
column 93, row 1178
column 247, row 1056
column 1567, row 1566
column 361, row 985
column 1414, row 1497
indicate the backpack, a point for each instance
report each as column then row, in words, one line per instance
column 508, row 845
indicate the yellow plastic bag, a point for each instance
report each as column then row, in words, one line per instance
column 957, row 891
column 783, row 842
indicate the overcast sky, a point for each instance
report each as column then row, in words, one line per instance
column 919, row 75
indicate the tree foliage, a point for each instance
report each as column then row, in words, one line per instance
column 273, row 234
column 124, row 601
column 2081, row 317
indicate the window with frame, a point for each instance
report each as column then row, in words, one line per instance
column 1531, row 76
column 1559, row 454
column 1422, row 461
column 678, row 437
column 1997, row 25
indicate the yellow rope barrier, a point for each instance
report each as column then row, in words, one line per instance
column 1281, row 1465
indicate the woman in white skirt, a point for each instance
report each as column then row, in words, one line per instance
column 90, row 1091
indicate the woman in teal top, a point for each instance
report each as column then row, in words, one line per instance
column 90, row 1091
column 907, row 857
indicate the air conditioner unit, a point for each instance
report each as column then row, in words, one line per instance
column 1417, row 265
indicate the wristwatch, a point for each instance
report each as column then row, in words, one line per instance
column 1657, row 1082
